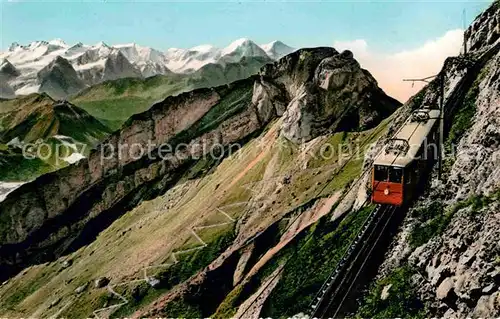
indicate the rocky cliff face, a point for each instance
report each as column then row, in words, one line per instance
column 63, row 210
column 484, row 30
column 450, row 237
column 7, row 73
column 7, row 70
column 59, row 79
column 328, row 92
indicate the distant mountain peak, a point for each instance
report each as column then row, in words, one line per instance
column 242, row 48
column 76, row 46
column 7, row 70
column 241, row 41
column 126, row 45
column 277, row 49
column 59, row 78
column 272, row 43
column 94, row 63
column 14, row 46
column 102, row 44
column 58, row 42
column 203, row 48
column 235, row 45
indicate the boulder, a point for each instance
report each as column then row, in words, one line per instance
column 445, row 288
column 152, row 281
column 488, row 306
column 81, row 288
column 55, row 302
column 488, row 289
column 67, row 263
column 385, row 292
column 101, row 282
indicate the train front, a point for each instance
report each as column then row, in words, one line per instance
column 387, row 185
column 388, row 174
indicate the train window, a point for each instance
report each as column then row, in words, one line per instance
column 408, row 173
column 395, row 175
column 381, row 173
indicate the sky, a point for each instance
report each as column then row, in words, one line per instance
column 378, row 32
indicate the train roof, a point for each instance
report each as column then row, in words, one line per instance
column 402, row 149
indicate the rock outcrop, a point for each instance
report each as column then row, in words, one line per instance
column 7, row 70
column 7, row 73
column 457, row 265
column 328, row 92
column 63, row 210
column 484, row 30
column 460, row 267
column 59, row 79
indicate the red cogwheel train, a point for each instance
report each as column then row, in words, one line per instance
column 406, row 158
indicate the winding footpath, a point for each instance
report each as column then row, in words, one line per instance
column 107, row 311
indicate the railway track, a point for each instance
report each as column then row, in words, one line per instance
column 337, row 295
column 333, row 297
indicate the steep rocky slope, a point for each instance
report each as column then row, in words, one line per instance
column 38, row 116
column 59, row 79
column 39, row 135
column 196, row 212
column 7, row 72
column 446, row 256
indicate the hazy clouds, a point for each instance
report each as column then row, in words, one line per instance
column 390, row 69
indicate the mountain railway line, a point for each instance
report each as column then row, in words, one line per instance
column 338, row 293
column 333, row 295
column 346, row 275
column 337, row 297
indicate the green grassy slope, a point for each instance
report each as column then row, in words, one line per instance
column 113, row 102
column 37, row 116
column 45, row 130
column 150, row 233
column 15, row 167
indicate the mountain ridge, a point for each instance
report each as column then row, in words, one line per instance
column 257, row 233
column 39, row 135
column 100, row 62
column 226, row 114
column 51, row 118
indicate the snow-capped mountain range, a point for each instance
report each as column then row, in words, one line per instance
column 64, row 70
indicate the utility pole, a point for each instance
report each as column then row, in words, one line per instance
column 426, row 80
column 441, row 78
column 441, row 125
column 465, row 34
